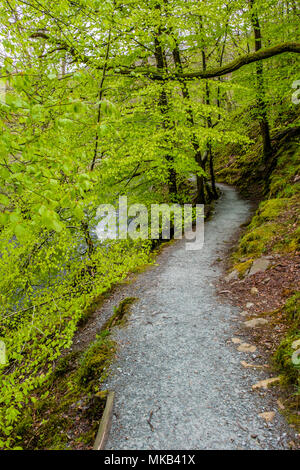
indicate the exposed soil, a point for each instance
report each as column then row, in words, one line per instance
column 274, row 287
column 263, row 295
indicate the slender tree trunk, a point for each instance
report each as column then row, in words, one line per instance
column 200, row 198
column 212, row 174
column 211, row 157
column 63, row 66
column 261, row 101
column 161, row 65
column 100, row 96
column 213, row 194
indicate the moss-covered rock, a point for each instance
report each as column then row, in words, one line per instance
column 243, row 267
column 95, row 361
column 119, row 316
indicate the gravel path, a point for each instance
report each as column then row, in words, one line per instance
column 178, row 379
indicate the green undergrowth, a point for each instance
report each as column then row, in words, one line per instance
column 119, row 316
column 272, row 229
column 39, row 333
column 243, row 165
column 65, row 412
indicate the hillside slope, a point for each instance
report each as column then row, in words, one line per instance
column 265, row 264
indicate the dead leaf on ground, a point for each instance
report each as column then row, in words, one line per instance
column 236, row 340
column 268, row 416
column 248, row 348
column 255, row 322
column 254, row 366
column 280, row 405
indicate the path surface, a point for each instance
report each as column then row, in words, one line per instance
column 178, row 379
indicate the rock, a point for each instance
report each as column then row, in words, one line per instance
column 259, row 265
column 280, row 405
column 231, row 276
column 249, row 305
column 236, row 340
column 255, row 322
column 245, row 347
column 296, row 344
column 254, row 291
column 268, row 416
column 265, row 383
column 246, row 365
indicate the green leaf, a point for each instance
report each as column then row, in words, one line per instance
column 4, row 200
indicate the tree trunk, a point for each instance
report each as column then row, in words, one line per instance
column 200, row 196
column 212, row 174
column 261, row 101
column 161, row 65
column 213, row 192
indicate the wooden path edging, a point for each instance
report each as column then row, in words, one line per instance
column 105, row 423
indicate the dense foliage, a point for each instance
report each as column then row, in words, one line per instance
column 107, row 98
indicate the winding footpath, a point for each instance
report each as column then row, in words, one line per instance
column 178, row 379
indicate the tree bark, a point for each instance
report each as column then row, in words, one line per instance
column 261, row 97
column 100, row 100
column 236, row 64
column 200, row 197
column 212, row 193
column 161, row 65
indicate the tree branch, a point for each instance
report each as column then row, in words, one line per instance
column 225, row 69
column 244, row 60
column 63, row 45
column 236, row 64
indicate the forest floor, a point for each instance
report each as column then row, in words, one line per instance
column 185, row 375
column 266, row 292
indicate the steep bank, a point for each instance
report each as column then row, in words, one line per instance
column 265, row 264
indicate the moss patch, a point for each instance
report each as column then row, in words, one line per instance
column 274, row 228
column 95, row 361
column 243, row 267
column 66, row 412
